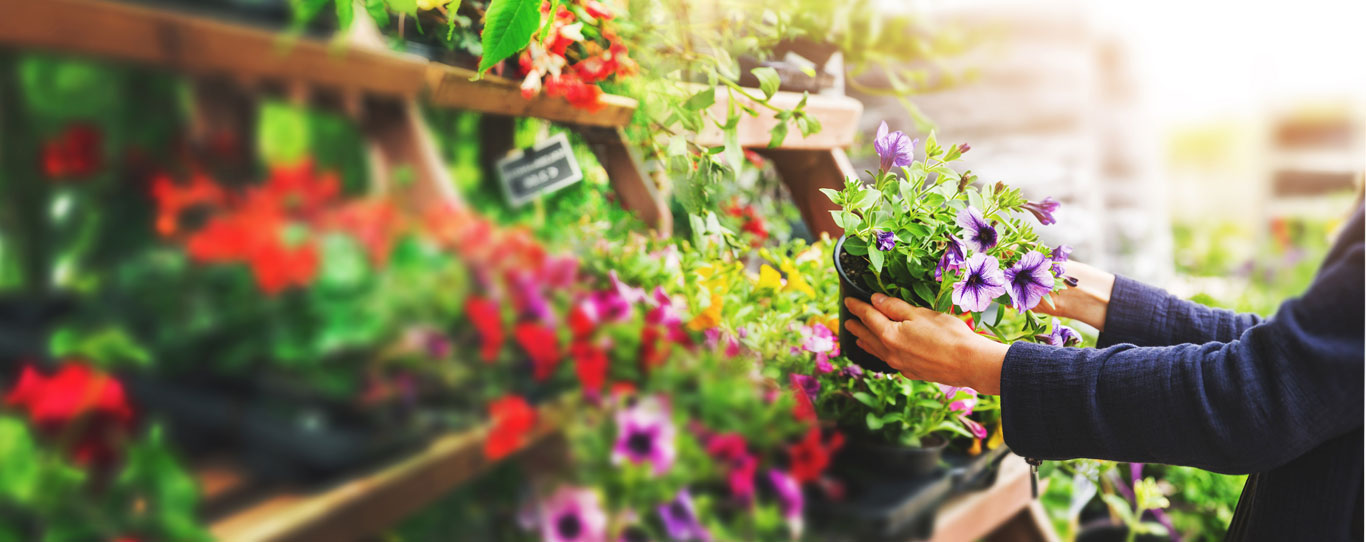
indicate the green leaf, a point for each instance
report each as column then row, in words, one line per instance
column 768, row 80
column 508, row 27
column 19, row 472
column 833, row 194
column 875, row 258
column 873, row 421
column 856, row 246
column 401, row 6
column 923, row 290
column 282, row 132
column 377, row 12
column 345, row 13
column 777, row 134
column 106, row 347
column 451, row 18
column 702, row 100
column 932, row 148
column 866, row 399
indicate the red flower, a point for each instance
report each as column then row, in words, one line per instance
column 578, row 93
column 73, row 153
column 732, row 452
column 596, row 10
column 488, row 321
column 172, row 199
column 78, row 399
column 803, row 411
column 810, row 456
column 654, row 347
column 590, row 362
column 540, row 343
column 299, row 187
column 583, row 319
column 277, row 266
column 512, row 418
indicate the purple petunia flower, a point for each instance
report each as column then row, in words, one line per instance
column 1043, row 210
column 1059, row 256
column 823, row 365
column 645, row 434
column 790, row 499
column 662, row 309
column 573, row 514
column 954, row 255
column 680, row 519
column 983, row 283
column 852, row 371
column 808, row 384
column 895, row 149
column 885, row 240
column 981, row 236
column 1060, row 335
column 1029, row 280
column 964, row 405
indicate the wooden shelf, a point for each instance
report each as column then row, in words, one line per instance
column 449, row 86
column 838, row 116
column 203, row 46
column 370, row 503
column 1006, row 510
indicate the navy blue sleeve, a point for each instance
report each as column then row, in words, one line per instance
column 1142, row 315
column 1248, row 404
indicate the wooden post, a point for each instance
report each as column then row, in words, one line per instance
column 805, row 172
column 637, row 192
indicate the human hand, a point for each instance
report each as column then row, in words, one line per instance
column 1088, row 301
column 927, row 345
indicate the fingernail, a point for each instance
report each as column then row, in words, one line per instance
column 878, row 297
column 849, row 302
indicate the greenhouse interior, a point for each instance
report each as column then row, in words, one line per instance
column 693, row 270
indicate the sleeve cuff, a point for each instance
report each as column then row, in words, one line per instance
column 1045, row 393
column 1136, row 315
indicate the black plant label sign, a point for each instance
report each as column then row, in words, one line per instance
column 544, row 168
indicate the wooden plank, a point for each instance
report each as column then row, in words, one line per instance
column 204, row 46
column 368, row 504
column 974, row 515
column 449, row 86
column 838, row 116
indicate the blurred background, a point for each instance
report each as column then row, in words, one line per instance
column 267, row 272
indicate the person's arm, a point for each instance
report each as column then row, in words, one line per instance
column 1247, row 405
column 1128, row 311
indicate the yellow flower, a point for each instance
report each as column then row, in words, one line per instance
column 795, row 281
column 997, row 437
column 709, row 317
column 769, row 278
column 713, row 277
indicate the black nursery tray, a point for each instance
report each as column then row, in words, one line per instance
column 878, row 507
column 279, row 439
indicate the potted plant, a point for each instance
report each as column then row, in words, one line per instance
column 900, row 425
column 927, row 234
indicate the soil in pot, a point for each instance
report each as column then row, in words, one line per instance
column 878, row 458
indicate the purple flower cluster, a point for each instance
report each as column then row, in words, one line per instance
column 885, row 240
column 983, row 283
column 1029, row 280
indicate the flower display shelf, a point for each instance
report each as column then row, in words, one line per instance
column 349, row 72
column 882, row 507
column 364, row 504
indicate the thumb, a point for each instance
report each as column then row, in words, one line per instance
column 893, row 308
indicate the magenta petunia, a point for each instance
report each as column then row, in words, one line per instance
column 573, row 514
column 646, row 434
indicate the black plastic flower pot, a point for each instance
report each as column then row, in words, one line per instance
column 848, row 288
column 1104, row 531
column 893, row 460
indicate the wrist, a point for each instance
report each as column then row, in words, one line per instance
column 987, row 361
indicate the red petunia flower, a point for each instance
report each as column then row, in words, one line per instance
column 79, row 405
column 488, row 321
column 76, row 152
column 811, row 456
column 512, row 419
column 542, row 345
column 590, row 362
column 583, row 319
column 654, row 347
